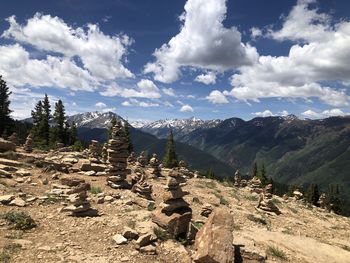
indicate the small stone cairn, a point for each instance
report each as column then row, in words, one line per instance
column 142, row 160
column 142, row 188
column 77, row 196
column 255, row 185
column 13, row 138
column 322, row 201
column 297, row 194
column 132, row 158
column 174, row 213
column 206, row 210
column 237, row 179
column 265, row 201
column 28, row 146
column 104, row 153
column 117, row 158
column 154, row 163
column 183, row 168
column 95, row 151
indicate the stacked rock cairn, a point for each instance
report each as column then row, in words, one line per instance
column 154, row 163
column 265, row 201
column 141, row 187
column 13, row 138
column 104, row 153
column 174, row 213
column 94, row 151
column 77, row 196
column 255, row 185
column 117, row 158
column 132, row 158
column 28, row 146
column 142, row 160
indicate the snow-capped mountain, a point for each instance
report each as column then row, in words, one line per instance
column 139, row 123
column 180, row 127
column 94, row 119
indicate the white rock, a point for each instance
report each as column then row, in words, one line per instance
column 119, row 239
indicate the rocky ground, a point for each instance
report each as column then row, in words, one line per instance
column 300, row 234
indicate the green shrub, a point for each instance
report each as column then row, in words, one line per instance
column 161, row 234
column 257, row 219
column 95, row 190
column 20, row 220
column 276, row 252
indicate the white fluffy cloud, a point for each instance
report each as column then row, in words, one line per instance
column 324, row 56
column 137, row 103
column 169, row 91
column 207, row 79
column 99, row 53
column 327, row 113
column 216, row 97
column 186, row 108
column 100, row 105
column 266, row 113
column 255, row 32
column 145, row 89
column 203, row 42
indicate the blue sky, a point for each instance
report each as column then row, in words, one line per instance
column 148, row 60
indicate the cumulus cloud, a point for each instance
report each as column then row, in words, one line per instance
column 145, row 89
column 266, row 113
column 100, row 105
column 322, row 58
column 101, row 54
column 137, row 103
column 216, row 97
column 324, row 114
column 169, row 92
column 203, row 42
column 186, row 108
column 255, row 32
column 207, row 79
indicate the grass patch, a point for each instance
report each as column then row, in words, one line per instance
column 252, row 198
column 20, row 221
column 223, row 201
column 256, row 219
column 8, row 250
column 151, row 206
column 236, row 227
column 51, row 199
column 288, row 231
column 131, row 224
column 197, row 225
column 276, row 252
column 95, row 190
column 293, row 210
column 210, row 184
column 161, row 234
column 275, row 201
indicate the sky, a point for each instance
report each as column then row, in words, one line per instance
column 157, row 59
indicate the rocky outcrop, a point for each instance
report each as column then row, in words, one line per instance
column 214, row 240
column 6, row 145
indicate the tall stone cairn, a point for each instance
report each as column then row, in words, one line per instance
column 104, row 153
column 13, row 138
column 174, row 213
column 154, row 164
column 95, row 151
column 255, row 185
column 28, row 146
column 117, row 158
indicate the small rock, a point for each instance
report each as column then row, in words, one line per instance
column 124, row 259
column 146, row 239
column 151, row 250
column 18, row 202
column 119, row 239
column 108, row 198
column 22, row 172
column 90, row 173
column 5, row 199
column 130, row 233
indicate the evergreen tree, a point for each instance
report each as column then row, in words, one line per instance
column 170, row 159
column 291, row 189
column 113, row 123
column 127, row 134
column 73, row 134
column 210, row 174
column 37, row 130
column 335, row 201
column 255, row 170
column 312, row 194
column 59, row 131
column 45, row 119
column 5, row 119
column 263, row 178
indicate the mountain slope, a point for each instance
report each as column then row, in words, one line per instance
column 94, row 119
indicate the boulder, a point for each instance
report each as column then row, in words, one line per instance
column 6, row 146
column 214, row 240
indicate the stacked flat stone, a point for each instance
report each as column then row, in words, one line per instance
column 28, row 146
column 104, row 153
column 174, row 213
column 237, row 179
column 265, row 201
column 255, row 185
column 77, row 196
column 322, row 201
column 132, row 158
column 298, row 195
column 154, row 164
column 117, row 158
column 13, row 138
column 184, row 170
column 94, row 151
column 142, row 160
column 141, row 187
column 206, row 210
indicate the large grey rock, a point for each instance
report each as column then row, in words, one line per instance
column 6, row 146
column 214, row 240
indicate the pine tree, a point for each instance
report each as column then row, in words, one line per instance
column 263, row 178
column 210, row 174
column 59, row 131
column 45, row 119
column 5, row 119
column 127, row 134
column 335, row 201
column 312, row 194
column 255, row 170
column 170, row 159
column 73, row 134
column 37, row 130
column 113, row 123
